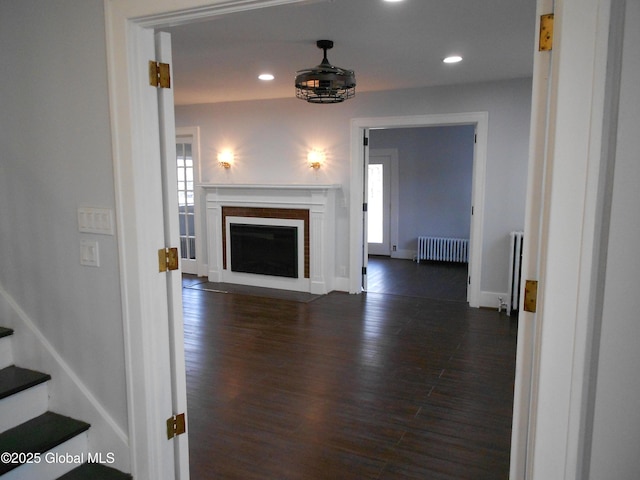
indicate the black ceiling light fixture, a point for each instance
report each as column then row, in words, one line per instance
column 325, row 83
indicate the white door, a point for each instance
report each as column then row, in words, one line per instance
column 365, row 213
column 186, row 167
column 379, row 203
column 148, row 222
column 532, row 250
column 173, row 278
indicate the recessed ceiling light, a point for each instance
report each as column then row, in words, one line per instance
column 392, row 1
column 453, row 59
column 266, row 77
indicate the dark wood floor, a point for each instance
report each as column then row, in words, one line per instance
column 370, row 386
column 427, row 279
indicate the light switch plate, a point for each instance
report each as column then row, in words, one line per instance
column 89, row 253
column 95, row 220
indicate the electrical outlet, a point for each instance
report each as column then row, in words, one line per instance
column 394, row 248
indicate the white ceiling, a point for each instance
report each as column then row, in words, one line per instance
column 389, row 45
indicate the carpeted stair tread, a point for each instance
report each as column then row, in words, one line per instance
column 95, row 471
column 15, row 379
column 5, row 332
column 39, row 435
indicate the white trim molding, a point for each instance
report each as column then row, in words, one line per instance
column 358, row 127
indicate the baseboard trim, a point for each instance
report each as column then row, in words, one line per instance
column 492, row 299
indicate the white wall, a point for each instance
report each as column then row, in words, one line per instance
column 271, row 139
column 616, row 421
column 435, row 166
column 56, row 156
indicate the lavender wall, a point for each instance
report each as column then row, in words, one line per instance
column 435, row 166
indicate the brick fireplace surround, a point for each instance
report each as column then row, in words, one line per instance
column 255, row 212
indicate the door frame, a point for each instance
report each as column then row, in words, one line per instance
column 357, row 245
column 554, row 444
column 566, row 193
column 129, row 28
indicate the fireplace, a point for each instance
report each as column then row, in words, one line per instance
column 264, row 249
column 264, row 246
column 277, row 224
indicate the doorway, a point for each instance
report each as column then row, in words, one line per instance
column 131, row 173
column 418, row 184
column 361, row 153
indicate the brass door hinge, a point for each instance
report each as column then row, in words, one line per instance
column 530, row 296
column 176, row 425
column 167, row 259
column 159, row 74
column 546, row 33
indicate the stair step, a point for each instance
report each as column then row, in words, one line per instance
column 95, row 471
column 39, row 435
column 5, row 332
column 15, row 379
column 6, row 347
column 24, row 394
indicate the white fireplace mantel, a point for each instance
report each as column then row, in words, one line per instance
column 319, row 200
column 267, row 194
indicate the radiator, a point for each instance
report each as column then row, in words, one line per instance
column 443, row 249
column 515, row 268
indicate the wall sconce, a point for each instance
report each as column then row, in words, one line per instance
column 225, row 158
column 315, row 158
